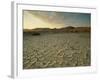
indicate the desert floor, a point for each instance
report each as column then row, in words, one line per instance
column 51, row 50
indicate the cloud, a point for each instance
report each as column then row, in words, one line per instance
column 50, row 19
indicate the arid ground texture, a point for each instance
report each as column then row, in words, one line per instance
column 56, row 49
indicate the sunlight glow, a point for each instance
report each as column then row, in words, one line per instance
column 32, row 22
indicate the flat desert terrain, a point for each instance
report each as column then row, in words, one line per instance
column 50, row 50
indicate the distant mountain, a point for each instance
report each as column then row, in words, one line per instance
column 64, row 29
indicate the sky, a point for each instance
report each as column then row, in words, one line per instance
column 50, row 19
